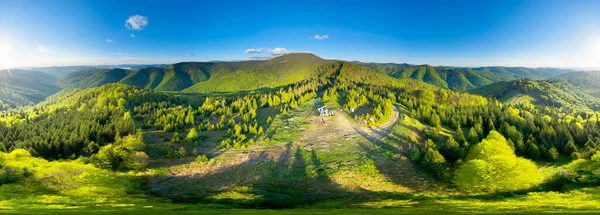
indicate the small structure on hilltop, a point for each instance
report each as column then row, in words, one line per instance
column 321, row 109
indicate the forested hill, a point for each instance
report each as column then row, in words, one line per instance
column 204, row 77
column 552, row 92
column 461, row 79
column 22, row 87
column 588, row 81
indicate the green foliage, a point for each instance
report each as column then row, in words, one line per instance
column 583, row 171
column 19, row 88
column 192, row 134
column 451, row 150
column 434, row 161
column 553, row 92
column 202, row 159
column 492, row 166
column 93, row 77
column 276, row 72
column 459, row 79
column 552, row 154
column 125, row 154
column 67, row 123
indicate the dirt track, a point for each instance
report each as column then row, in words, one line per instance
column 325, row 130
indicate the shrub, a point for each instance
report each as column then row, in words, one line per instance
column 202, row 159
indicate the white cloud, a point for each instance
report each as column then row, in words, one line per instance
column 42, row 48
column 132, row 35
column 136, row 22
column 279, row 51
column 189, row 54
column 258, row 50
column 272, row 52
column 260, row 57
column 320, row 37
column 109, row 41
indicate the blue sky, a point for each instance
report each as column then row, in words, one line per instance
column 455, row 33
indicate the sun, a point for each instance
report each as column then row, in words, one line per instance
column 5, row 54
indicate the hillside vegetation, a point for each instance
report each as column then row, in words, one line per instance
column 589, row 82
column 552, row 92
column 22, row 87
column 461, row 79
column 204, row 77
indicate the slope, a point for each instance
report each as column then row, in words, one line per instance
column 276, row 72
column 203, row 76
column 537, row 73
column 588, row 81
column 22, row 87
column 93, row 77
column 446, row 77
column 552, row 92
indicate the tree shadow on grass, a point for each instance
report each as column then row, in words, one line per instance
column 294, row 178
column 400, row 171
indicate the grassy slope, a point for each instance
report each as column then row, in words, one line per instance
column 276, row 72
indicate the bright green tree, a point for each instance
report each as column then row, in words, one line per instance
column 492, row 166
column 193, row 134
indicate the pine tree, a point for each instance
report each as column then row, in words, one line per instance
column 570, row 148
column 473, row 137
column 459, row 136
column 552, row 154
column 434, row 161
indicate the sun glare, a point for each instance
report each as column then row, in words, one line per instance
column 5, row 54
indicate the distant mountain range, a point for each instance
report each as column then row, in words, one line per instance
column 462, row 79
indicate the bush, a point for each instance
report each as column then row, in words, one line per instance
column 584, row 171
column 202, row 159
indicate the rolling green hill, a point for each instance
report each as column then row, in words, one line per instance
column 446, row 77
column 588, row 81
column 22, row 87
column 93, row 77
column 276, row 72
column 535, row 73
column 461, row 79
column 203, row 76
column 552, row 92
